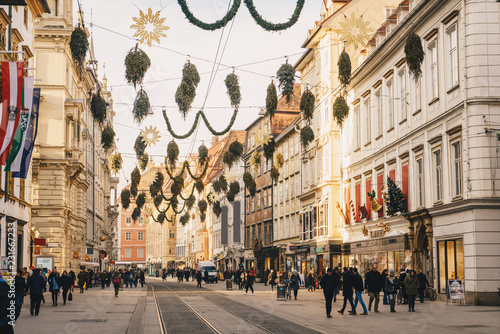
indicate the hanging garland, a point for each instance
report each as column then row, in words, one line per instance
column 143, row 161
column 279, row 160
column 275, row 174
column 125, row 198
column 255, row 160
column 307, row 105
column 274, row 26
column 271, row 100
column 186, row 92
column 140, row 146
column 155, row 186
column 250, row 183
column 107, row 138
column 136, row 214
column 185, row 166
column 234, row 189
column 141, row 200
column 209, row 26
column 414, row 53
column 137, row 63
column 306, row 136
column 79, row 46
column 340, row 110
column 233, row 89
column 234, row 152
column 199, row 186
column 141, row 106
column 286, row 78
column 115, row 162
column 98, row 107
column 172, row 154
column 202, row 154
column 217, row 209
column 269, row 148
column 344, row 65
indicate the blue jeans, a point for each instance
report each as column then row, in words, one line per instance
column 386, row 300
column 358, row 297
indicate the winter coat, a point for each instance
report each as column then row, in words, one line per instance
column 411, row 285
column 348, row 284
column 295, row 281
column 424, row 283
column 20, row 285
column 81, row 279
column 198, row 276
column 373, row 281
column 312, row 279
column 329, row 282
column 358, row 283
column 66, row 282
column 54, row 284
column 141, row 275
column 391, row 287
column 4, row 312
column 36, row 284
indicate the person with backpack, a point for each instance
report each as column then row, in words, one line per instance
column 54, row 285
column 116, row 283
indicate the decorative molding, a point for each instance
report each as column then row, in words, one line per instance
column 431, row 34
column 377, row 84
column 356, row 101
column 388, row 74
column 357, row 177
column 379, row 167
column 404, row 155
column 391, row 162
column 401, row 62
column 418, row 148
column 450, row 17
column 365, row 94
column 454, row 130
column 435, row 139
column 368, row 172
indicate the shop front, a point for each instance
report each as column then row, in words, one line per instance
column 298, row 258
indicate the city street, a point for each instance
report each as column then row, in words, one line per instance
column 213, row 309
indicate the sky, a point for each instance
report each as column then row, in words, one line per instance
column 241, row 42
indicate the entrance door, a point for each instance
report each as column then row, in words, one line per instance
column 320, row 264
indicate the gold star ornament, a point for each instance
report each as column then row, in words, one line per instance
column 355, row 31
column 150, row 135
column 149, row 27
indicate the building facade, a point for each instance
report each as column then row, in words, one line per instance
column 427, row 134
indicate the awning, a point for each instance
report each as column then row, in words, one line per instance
column 84, row 263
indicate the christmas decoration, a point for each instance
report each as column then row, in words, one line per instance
column 212, row 198
column 217, row 209
column 354, row 31
column 234, row 189
column 199, row 186
column 149, row 27
column 341, row 213
column 233, row 89
column 255, row 160
column 141, row 106
column 141, row 200
column 184, row 219
column 79, row 46
column 231, row 176
column 150, row 135
column 202, row 154
column 140, row 146
column 155, row 186
column 209, row 26
column 364, row 212
column 234, row 152
column 125, row 198
column 262, row 136
column 344, row 65
column 286, row 78
column 137, row 63
column 172, row 154
column 269, row 149
column 143, row 161
column 274, row 26
column 107, row 138
column 136, row 214
column 385, row 227
column 190, row 202
column 115, row 162
column 396, row 199
column 340, row 110
column 271, row 100
column 353, row 210
column 275, row 174
column 414, row 53
column 306, row 136
column 374, row 202
column 279, row 161
column 250, row 183
column 307, row 101
column 98, row 107
column 186, row 92
column 365, row 230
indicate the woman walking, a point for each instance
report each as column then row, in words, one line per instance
column 54, row 284
column 295, row 283
column 312, row 278
column 66, row 282
column 81, row 280
column 116, row 283
column 412, row 284
column 384, row 275
column 391, row 287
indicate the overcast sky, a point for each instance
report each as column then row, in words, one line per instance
column 247, row 43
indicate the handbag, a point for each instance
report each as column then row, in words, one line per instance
column 70, row 296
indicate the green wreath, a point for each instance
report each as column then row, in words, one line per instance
column 210, row 26
column 275, row 26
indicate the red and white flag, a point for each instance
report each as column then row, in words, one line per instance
column 12, row 89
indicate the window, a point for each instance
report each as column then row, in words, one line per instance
column 306, row 180
column 292, row 187
column 258, row 201
column 128, row 236
column 312, row 172
column 172, row 235
column 264, row 198
column 297, row 185
column 248, row 205
column 128, row 253
column 128, row 220
column 450, row 262
column 420, row 182
column 140, row 235
column 357, row 133
column 402, row 95
column 269, row 193
column 285, row 151
column 433, row 71
column 438, row 176
column 457, row 169
column 378, row 105
column 140, row 252
column 451, row 34
column 368, row 124
column 390, row 105
column 416, row 94
column 286, row 190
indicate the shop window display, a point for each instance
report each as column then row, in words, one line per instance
column 450, row 262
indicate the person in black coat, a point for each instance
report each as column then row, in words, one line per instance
column 198, row 279
column 358, row 290
column 116, row 283
column 20, row 285
column 54, row 285
column 329, row 285
column 402, row 277
column 142, row 278
column 373, row 283
column 65, row 281
column 72, row 275
column 205, row 276
column 81, row 280
column 7, row 317
column 36, row 285
column 424, row 283
column 348, row 287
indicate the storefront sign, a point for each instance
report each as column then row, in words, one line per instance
column 37, row 250
column 44, row 262
column 87, row 258
column 456, row 289
column 75, row 255
column 53, row 244
column 39, row 242
column 319, row 250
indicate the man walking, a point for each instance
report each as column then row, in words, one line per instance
column 423, row 284
column 373, row 283
column 348, row 287
column 329, row 285
column 36, row 284
column 358, row 290
column 198, row 279
column 250, row 278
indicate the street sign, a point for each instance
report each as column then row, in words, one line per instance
column 37, row 250
column 39, row 242
column 87, row 258
column 75, row 255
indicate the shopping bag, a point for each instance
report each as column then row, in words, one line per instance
column 84, row 285
column 70, row 296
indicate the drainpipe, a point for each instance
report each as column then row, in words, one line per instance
column 9, row 31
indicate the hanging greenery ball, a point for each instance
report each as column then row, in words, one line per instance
column 202, row 154
column 234, row 152
column 344, row 64
column 79, row 46
column 140, row 146
column 223, row 183
column 269, row 148
column 307, row 105
column 340, row 110
column 141, row 106
column 234, row 189
column 275, row 174
column 190, row 74
column 177, row 186
column 141, row 200
column 247, row 179
column 135, row 176
column 155, row 186
column 199, row 186
column 203, row 217
column 306, row 136
column 190, row 202
column 107, row 138
column 137, row 63
column 115, row 162
column 161, row 217
column 184, row 219
column 279, row 160
column 414, row 53
column 136, row 214
column 250, row 183
column 158, row 200
column 143, row 161
column 98, row 107
column 186, row 92
column 202, row 206
column 217, row 209
column 233, row 89
column 255, row 160
column 286, row 78
column 172, row 153
column 133, row 190
column 125, row 198
column 271, row 100
column 216, row 186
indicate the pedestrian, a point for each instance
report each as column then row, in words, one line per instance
column 329, row 285
column 5, row 303
column 373, row 283
column 412, row 285
column 384, row 275
column 266, row 275
column 358, row 290
column 205, row 276
column 295, row 283
column 186, row 275
column 103, row 277
column 142, row 278
column 20, row 286
column 402, row 277
column 116, row 283
column 336, row 275
column 54, row 285
column 249, row 280
column 36, row 285
column 271, row 279
column 87, row 279
column 72, row 275
column 423, row 284
column 81, row 281
column 312, row 278
column 347, row 290
column 131, row 278
column 391, row 287
column 198, row 279
column 65, row 285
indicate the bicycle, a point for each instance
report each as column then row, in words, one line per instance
column 430, row 294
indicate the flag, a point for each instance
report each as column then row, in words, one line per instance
column 31, row 132
column 12, row 87
column 16, row 152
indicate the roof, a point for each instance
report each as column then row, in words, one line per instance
column 216, row 152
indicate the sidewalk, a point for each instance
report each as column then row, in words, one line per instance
column 309, row 310
column 95, row 311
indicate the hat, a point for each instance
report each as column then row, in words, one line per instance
column 391, row 271
column 328, row 270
